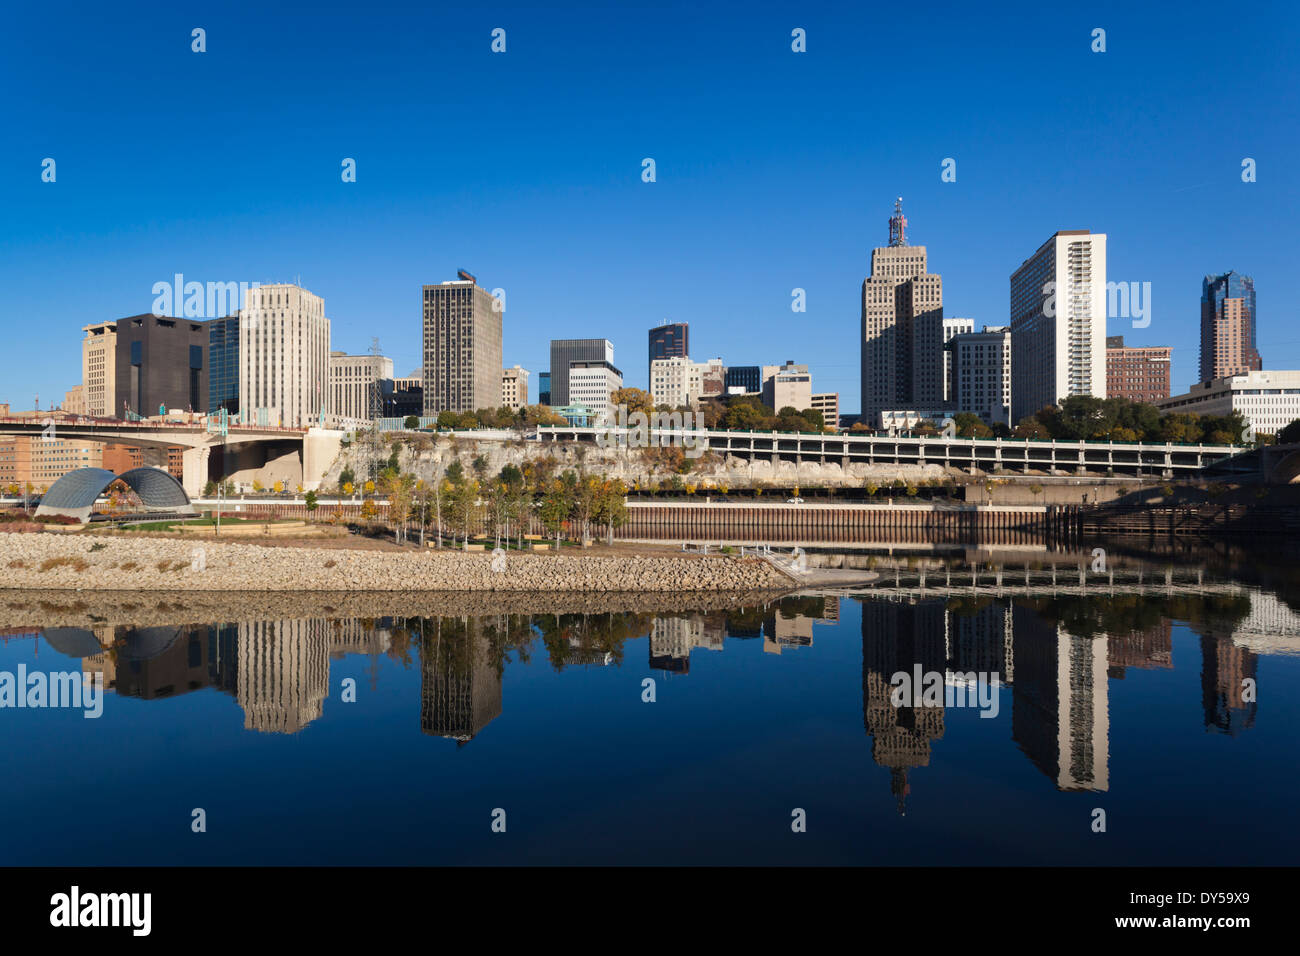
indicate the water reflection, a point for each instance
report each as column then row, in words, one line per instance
column 1051, row 656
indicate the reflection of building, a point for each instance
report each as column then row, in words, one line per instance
column 1272, row 627
column 897, row 637
column 981, row 641
column 673, row 638
column 460, row 689
column 155, row 662
column 781, row 631
column 1060, row 713
column 1224, row 666
column 1144, row 649
column 283, row 675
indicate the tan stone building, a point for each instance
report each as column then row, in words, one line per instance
column 44, row 459
column 902, row 327
column 514, row 387
column 462, row 346
column 284, row 356
column 99, row 368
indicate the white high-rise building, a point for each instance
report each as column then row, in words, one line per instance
column 591, row 383
column 1058, row 322
column 284, row 356
column 981, row 369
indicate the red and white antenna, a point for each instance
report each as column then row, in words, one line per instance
column 898, row 225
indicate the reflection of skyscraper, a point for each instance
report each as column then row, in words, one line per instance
column 896, row 637
column 1224, row 666
column 460, row 689
column 980, row 640
column 283, row 674
column 671, row 641
column 1060, row 714
column 1149, row 648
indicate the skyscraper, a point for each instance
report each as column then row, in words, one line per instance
column 564, row 352
column 902, row 326
column 1058, row 322
column 670, row 341
column 462, row 346
column 223, row 364
column 284, row 356
column 1228, row 326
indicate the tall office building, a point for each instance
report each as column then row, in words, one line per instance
column 99, row 369
column 1058, row 322
column 564, row 352
column 1140, row 374
column 223, row 364
column 144, row 363
column 284, row 356
column 462, row 346
column 544, row 388
column 1228, row 326
column 669, row 341
column 902, row 326
column 981, row 369
column 356, row 385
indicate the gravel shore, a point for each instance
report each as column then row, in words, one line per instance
column 53, row 562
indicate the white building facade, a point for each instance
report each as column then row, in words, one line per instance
column 1058, row 322
column 352, row 380
column 284, row 356
column 1268, row 401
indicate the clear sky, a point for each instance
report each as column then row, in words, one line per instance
column 775, row 169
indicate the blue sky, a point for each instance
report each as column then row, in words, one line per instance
column 775, row 170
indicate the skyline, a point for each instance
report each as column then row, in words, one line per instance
column 755, row 195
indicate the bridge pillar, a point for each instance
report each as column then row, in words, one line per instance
column 194, row 462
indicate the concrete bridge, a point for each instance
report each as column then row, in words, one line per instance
column 241, row 453
column 1138, row 459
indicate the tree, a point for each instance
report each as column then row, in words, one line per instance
column 347, row 477
column 257, row 486
column 1289, row 434
column 311, row 501
column 1031, row 427
column 348, row 488
column 448, row 419
column 458, row 506
column 636, row 400
column 278, row 487
column 554, row 509
column 398, row 489
column 412, row 422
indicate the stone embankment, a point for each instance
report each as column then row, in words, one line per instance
column 90, row 563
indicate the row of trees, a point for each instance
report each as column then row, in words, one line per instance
column 1083, row 417
column 459, row 501
column 740, row 412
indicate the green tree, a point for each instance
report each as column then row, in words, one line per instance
column 412, row 422
column 310, row 500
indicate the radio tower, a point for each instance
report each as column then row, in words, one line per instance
column 375, row 405
column 898, row 225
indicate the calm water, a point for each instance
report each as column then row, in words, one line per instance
column 1133, row 700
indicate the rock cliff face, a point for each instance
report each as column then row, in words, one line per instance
column 59, row 562
column 428, row 459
